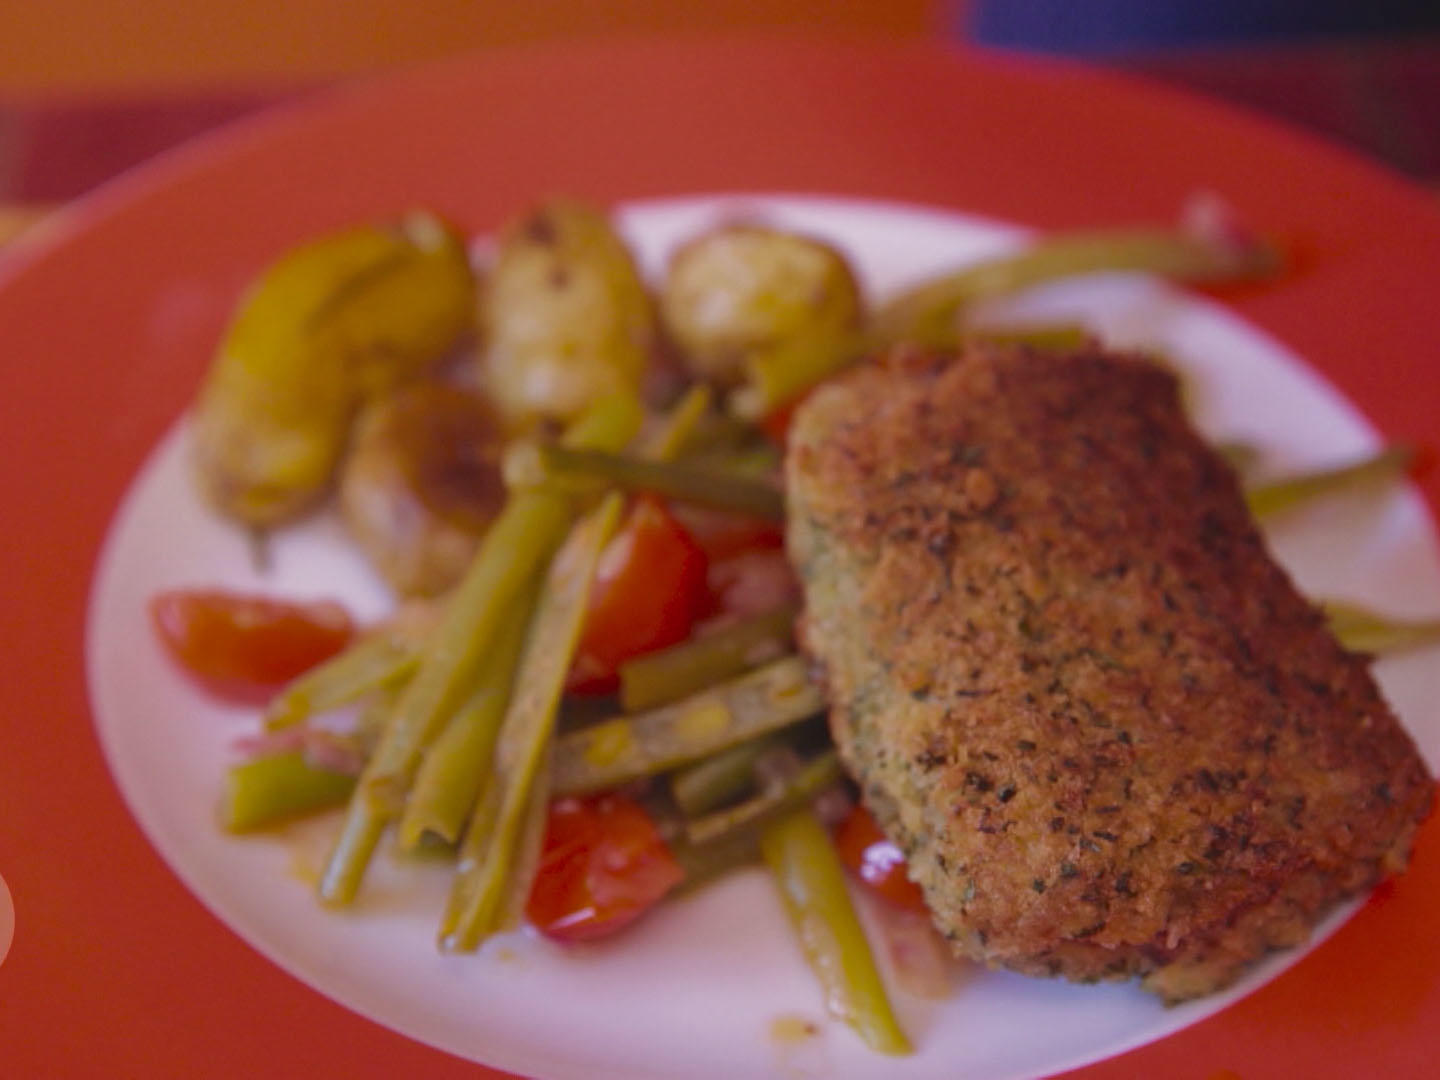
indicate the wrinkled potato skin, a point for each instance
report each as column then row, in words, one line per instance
column 328, row 325
column 422, row 483
column 566, row 317
column 741, row 289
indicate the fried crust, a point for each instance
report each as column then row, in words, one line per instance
column 1107, row 731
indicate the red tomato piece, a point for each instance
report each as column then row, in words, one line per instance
column 776, row 423
column 723, row 534
column 876, row 861
column 602, row 867
column 650, row 588
column 243, row 647
column 753, row 583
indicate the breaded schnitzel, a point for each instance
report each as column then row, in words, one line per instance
column 1108, row 733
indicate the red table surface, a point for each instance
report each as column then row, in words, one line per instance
column 115, row 968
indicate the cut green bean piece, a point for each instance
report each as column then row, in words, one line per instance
column 930, row 313
column 455, row 765
column 625, row 748
column 519, row 542
column 720, row 778
column 371, row 721
column 758, row 461
column 812, row 779
column 703, row 863
column 678, row 428
column 364, row 825
column 609, row 423
column 561, row 468
column 528, row 848
column 488, row 878
column 721, row 432
column 270, row 789
column 659, row 678
column 376, row 661
column 510, row 912
column 807, row 870
column 1363, row 630
column 527, row 464
column 467, row 870
column 784, row 373
column 1273, row 498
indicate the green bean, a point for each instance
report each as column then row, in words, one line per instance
column 524, row 465
column 625, row 748
column 364, row 824
column 467, row 870
column 453, row 769
column 526, row 864
column 1273, row 498
column 713, row 781
column 679, row 427
column 377, row 660
column 930, row 312
column 558, row 467
column 608, row 424
column 668, row 675
column 813, row 778
column 758, row 461
column 1362, row 630
column 733, row 840
column 807, row 870
column 720, row 432
column 511, row 552
column 370, row 723
column 525, row 739
column 272, row 788
column 510, row 912
column 518, row 543
column 703, row 863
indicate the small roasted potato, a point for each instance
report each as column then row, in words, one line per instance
column 566, row 317
column 421, row 483
column 742, row 290
column 331, row 323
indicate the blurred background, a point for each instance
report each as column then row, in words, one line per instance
column 90, row 87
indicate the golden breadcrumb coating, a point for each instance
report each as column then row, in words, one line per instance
column 1107, row 731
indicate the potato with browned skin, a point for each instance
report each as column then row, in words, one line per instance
column 566, row 318
column 421, row 483
column 740, row 291
column 1110, row 735
column 328, row 326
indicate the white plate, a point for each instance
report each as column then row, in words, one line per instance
column 697, row 988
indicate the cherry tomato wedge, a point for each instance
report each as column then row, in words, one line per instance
column 650, row 588
column 602, row 867
column 723, row 534
column 753, row 583
column 876, row 861
column 243, row 647
column 776, row 423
